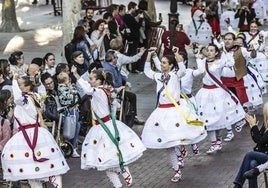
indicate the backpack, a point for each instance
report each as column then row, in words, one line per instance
column 69, row 49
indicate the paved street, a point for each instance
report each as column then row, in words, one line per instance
column 152, row 170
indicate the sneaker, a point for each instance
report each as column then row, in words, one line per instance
column 253, row 173
column 75, row 154
column 214, row 148
column 229, row 137
column 239, row 125
column 177, row 176
column 138, row 122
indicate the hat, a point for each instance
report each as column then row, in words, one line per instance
column 76, row 54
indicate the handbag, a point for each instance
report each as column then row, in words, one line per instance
column 69, row 126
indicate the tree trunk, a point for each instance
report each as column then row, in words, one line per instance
column 9, row 18
column 151, row 9
column 71, row 15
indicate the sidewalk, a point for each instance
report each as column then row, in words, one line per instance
column 153, row 169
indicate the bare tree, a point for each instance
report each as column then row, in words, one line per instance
column 9, row 18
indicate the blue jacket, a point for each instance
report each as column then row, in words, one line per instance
column 118, row 79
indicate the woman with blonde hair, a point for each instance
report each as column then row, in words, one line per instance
column 259, row 155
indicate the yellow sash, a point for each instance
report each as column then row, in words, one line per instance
column 186, row 117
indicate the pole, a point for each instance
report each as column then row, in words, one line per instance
column 173, row 12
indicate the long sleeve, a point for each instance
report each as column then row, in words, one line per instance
column 157, row 63
column 148, row 70
column 200, row 67
column 17, row 92
column 182, row 69
column 88, row 89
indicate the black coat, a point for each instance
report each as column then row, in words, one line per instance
column 260, row 137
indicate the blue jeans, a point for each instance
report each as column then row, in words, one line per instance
column 77, row 128
column 251, row 160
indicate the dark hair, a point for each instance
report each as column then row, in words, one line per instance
column 256, row 22
column 172, row 61
column 76, row 54
column 243, row 34
column 82, row 22
column 38, row 61
column 106, row 15
column 112, row 8
column 3, row 67
column 173, row 32
column 79, row 34
column 4, row 96
column 45, row 76
column 89, row 9
column 216, row 49
column 27, row 81
column 60, row 67
column 143, row 5
column 229, row 33
column 121, row 7
column 14, row 57
column 131, row 5
column 104, row 77
column 97, row 24
column 45, row 58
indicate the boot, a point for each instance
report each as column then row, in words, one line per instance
column 56, row 181
column 35, row 183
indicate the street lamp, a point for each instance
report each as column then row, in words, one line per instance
column 173, row 12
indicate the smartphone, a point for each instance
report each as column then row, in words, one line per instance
column 160, row 16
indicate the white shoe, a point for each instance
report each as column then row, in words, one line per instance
column 239, row 125
column 229, row 137
column 75, row 154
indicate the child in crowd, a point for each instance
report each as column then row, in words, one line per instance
column 68, row 96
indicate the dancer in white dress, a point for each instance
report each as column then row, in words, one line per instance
column 172, row 123
column 230, row 7
column 199, row 31
column 256, row 38
column 32, row 152
column 110, row 145
column 217, row 106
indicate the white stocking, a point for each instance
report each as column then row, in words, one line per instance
column 173, row 158
column 212, row 136
column 114, row 178
column 35, row 183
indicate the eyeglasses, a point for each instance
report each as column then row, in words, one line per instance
column 50, row 83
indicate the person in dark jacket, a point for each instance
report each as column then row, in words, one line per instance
column 259, row 155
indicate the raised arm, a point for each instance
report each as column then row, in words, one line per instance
column 147, row 67
column 87, row 88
